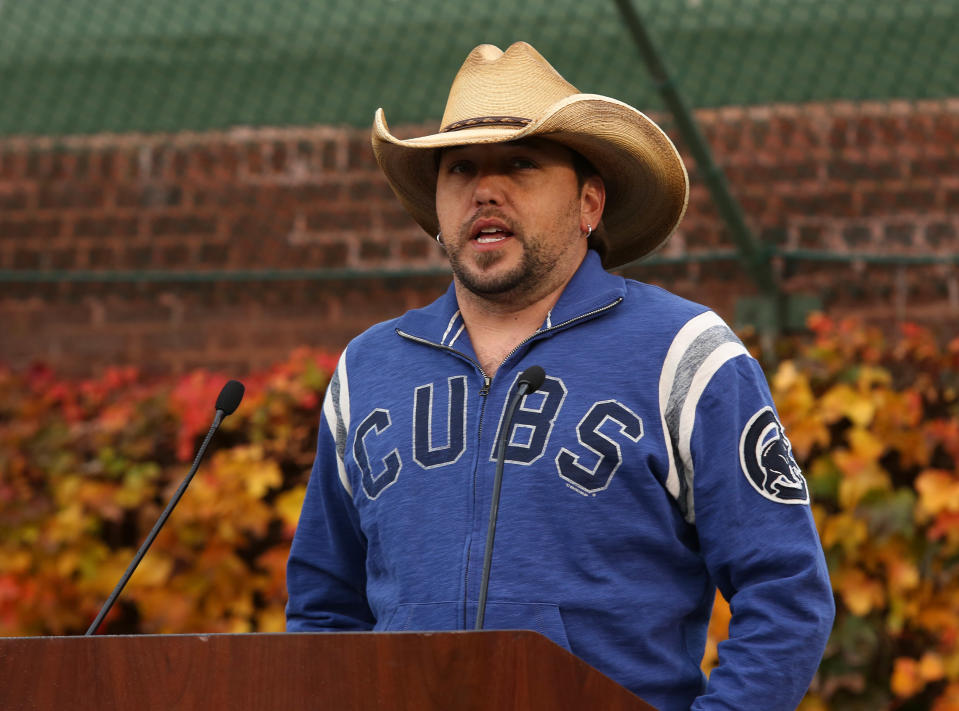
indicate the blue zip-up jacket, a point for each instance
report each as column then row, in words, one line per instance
column 648, row 470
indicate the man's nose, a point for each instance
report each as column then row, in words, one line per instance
column 489, row 188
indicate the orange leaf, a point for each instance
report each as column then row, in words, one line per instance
column 949, row 699
column 931, row 667
column 845, row 529
column 946, row 526
column 901, row 573
column 859, row 592
column 938, row 491
column 718, row 631
column 906, row 680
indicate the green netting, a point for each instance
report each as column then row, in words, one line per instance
column 87, row 66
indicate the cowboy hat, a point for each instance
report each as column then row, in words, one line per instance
column 505, row 96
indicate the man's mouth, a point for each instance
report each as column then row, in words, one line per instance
column 490, row 231
column 490, row 235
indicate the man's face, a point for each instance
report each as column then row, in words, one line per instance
column 513, row 217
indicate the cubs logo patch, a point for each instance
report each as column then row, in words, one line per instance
column 767, row 460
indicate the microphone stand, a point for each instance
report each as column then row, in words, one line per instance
column 225, row 405
column 529, row 381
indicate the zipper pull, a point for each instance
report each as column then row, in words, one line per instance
column 486, row 382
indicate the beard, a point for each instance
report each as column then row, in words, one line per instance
column 534, row 271
column 481, row 278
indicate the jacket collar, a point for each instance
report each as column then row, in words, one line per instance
column 591, row 288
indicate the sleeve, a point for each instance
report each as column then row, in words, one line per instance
column 733, row 475
column 326, row 570
column 751, row 508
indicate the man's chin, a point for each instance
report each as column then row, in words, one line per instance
column 489, row 282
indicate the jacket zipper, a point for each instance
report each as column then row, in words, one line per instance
column 484, row 391
column 469, row 550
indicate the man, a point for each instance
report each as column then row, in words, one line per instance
column 647, row 470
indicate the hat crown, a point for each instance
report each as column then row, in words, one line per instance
column 516, row 86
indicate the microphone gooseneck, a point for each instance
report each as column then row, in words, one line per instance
column 226, row 403
column 529, row 381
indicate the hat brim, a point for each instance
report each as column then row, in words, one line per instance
column 647, row 188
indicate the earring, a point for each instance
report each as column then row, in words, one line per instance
column 439, row 237
column 589, row 230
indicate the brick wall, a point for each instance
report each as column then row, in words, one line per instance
column 860, row 201
column 109, row 245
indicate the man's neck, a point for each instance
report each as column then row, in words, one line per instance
column 497, row 326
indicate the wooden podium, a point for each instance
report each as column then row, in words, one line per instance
column 448, row 671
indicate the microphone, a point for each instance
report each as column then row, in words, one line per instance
column 226, row 403
column 229, row 398
column 529, row 381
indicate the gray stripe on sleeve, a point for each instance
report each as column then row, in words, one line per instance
column 339, row 426
column 693, row 358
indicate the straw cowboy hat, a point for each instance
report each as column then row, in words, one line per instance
column 506, row 96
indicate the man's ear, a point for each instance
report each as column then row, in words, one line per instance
column 592, row 198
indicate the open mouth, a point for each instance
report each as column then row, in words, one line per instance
column 491, row 235
column 490, row 231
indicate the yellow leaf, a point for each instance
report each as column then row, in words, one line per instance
column 798, row 410
column 154, row 570
column 870, row 376
column 860, row 478
column 865, row 444
column 820, row 515
column 67, row 524
column 812, row 702
column 289, row 503
column 261, row 477
column 950, row 664
column 238, row 625
column 787, row 376
column 844, row 401
column 246, row 465
column 66, row 488
column 109, row 571
column 901, row 610
column 18, row 561
column 67, row 563
column 271, row 620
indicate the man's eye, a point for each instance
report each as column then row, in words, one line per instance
column 459, row 167
column 522, row 163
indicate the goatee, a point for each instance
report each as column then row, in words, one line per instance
column 527, row 275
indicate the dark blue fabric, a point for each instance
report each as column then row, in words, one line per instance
column 597, row 547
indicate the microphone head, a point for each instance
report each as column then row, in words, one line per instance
column 230, row 396
column 533, row 377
